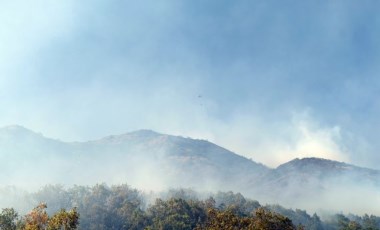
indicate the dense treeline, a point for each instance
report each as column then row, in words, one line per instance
column 39, row 219
column 122, row 207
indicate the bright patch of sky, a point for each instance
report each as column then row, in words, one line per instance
column 271, row 80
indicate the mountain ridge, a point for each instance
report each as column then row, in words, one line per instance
column 149, row 134
column 153, row 161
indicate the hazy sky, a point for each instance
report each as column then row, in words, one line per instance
column 271, row 80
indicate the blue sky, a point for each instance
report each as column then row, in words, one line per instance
column 271, row 80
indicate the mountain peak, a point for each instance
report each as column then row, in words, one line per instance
column 13, row 128
column 144, row 132
column 16, row 130
column 314, row 164
column 308, row 160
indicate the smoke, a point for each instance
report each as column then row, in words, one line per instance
column 341, row 194
column 312, row 140
column 297, row 135
column 270, row 83
column 218, row 71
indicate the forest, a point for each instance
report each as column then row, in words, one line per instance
column 124, row 207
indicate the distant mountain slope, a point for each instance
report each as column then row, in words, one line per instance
column 174, row 161
column 317, row 172
column 144, row 158
column 324, row 168
column 150, row 160
column 314, row 183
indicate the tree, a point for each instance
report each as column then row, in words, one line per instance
column 37, row 219
column 224, row 220
column 262, row 220
column 267, row 220
column 370, row 223
column 8, row 219
column 353, row 225
column 64, row 220
column 315, row 223
column 176, row 214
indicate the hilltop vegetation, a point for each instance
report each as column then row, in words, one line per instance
column 123, row 207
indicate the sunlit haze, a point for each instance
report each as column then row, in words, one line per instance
column 270, row 80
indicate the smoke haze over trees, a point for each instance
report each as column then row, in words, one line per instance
column 274, row 101
column 123, row 207
column 153, row 161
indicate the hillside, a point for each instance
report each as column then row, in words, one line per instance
column 313, row 183
column 316, row 173
column 154, row 161
column 143, row 158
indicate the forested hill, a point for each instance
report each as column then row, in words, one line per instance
column 153, row 161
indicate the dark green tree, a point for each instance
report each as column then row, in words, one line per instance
column 8, row 219
column 176, row 214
